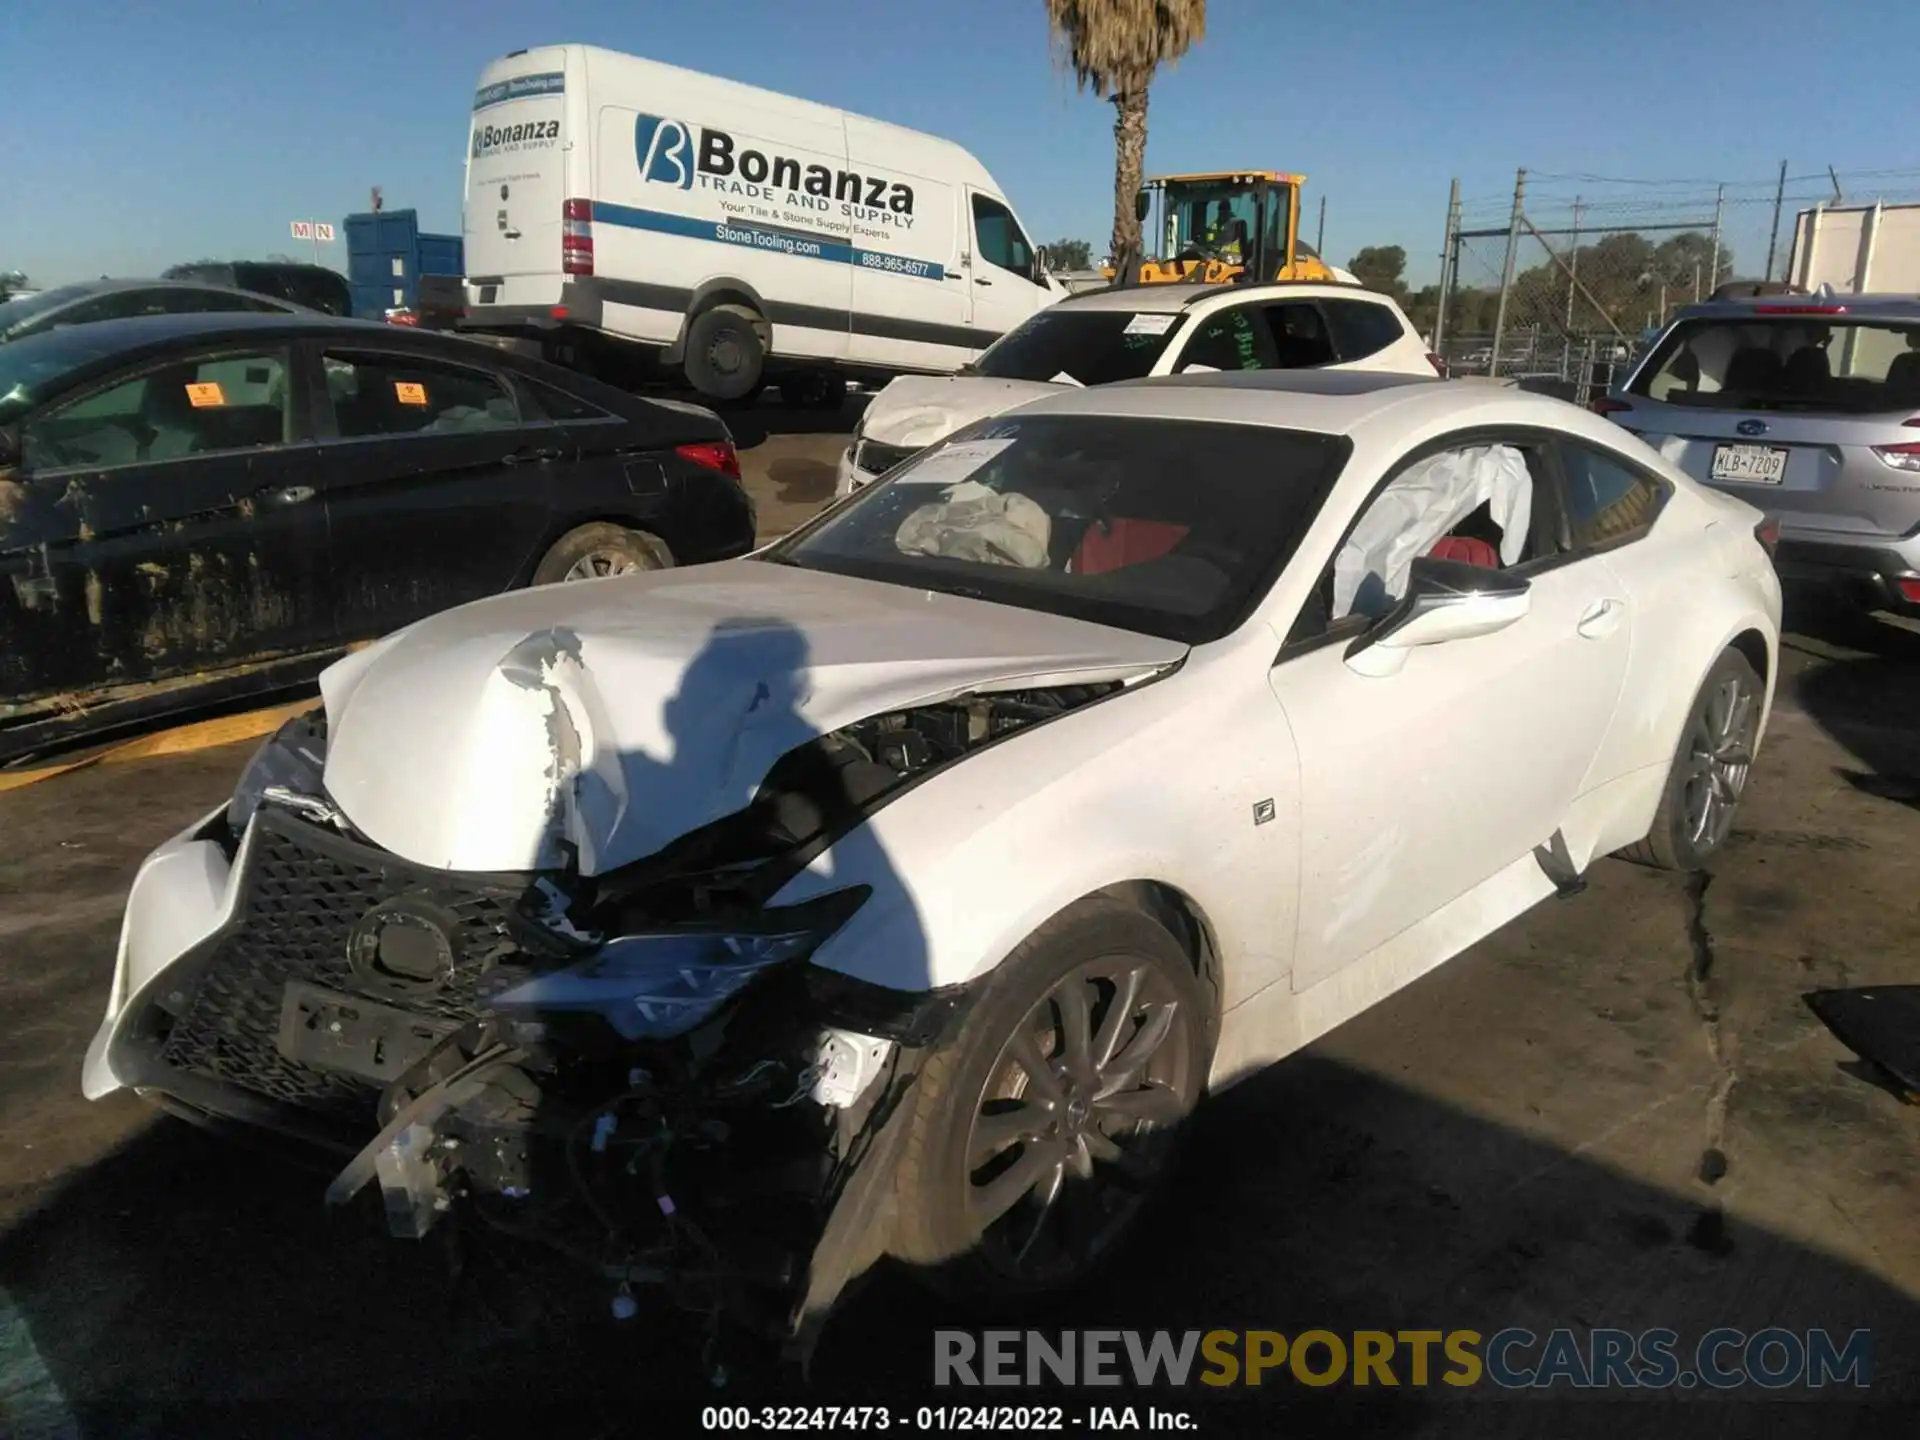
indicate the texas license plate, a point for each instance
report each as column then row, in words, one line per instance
column 1750, row 464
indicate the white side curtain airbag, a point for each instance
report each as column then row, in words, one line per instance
column 1419, row 507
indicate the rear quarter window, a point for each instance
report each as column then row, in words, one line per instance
column 1361, row 328
column 1606, row 498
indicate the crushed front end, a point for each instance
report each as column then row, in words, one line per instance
column 639, row 1070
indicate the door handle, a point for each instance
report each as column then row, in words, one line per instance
column 511, row 234
column 530, row 456
column 978, row 281
column 284, row 494
column 1602, row 618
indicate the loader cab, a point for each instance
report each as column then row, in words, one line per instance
column 1202, row 226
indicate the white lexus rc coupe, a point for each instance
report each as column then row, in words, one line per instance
column 901, row 888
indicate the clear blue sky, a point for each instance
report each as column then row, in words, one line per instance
column 144, row 132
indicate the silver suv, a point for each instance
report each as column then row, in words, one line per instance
column 1807, row 406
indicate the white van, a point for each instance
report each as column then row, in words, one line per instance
column 634, row 216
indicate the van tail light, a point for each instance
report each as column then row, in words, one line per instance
column 1900, row 457
column 714, row 455
column 1439, row 365
column 1607, row 405
column 1767, row 532
column 576, row 237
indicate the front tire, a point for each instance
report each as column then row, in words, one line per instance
column 1045, row 1127
column 595, row 551
column 1710, row 770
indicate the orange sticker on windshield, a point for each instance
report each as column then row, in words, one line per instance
column 409, row 393
column 206, row 393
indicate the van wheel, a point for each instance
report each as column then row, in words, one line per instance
column 594, row 551
column 725, row 353
column 813, row 390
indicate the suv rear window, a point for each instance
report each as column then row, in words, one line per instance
column 1816, row 364
column 1094, row 347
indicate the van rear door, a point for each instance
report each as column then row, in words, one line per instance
column 516, row 180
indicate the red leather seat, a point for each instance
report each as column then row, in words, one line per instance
column 1466, row 550
column 1123, row 542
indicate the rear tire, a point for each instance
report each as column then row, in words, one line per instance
column 595, row 551
column 1710, row 770
column 724, row 352
column 1044, row 1129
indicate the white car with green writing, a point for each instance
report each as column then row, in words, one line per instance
column 1133, row 333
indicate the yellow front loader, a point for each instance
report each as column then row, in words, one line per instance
column 1218, row 228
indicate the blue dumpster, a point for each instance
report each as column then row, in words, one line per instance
column 387, row 253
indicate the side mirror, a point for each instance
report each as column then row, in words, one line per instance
column 1141, row 200
column 1445, row 600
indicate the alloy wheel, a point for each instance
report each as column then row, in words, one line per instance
column 1077, row 1117
column 597, row 564
column 1719, row 760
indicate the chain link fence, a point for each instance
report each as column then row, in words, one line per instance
column 1564, row 282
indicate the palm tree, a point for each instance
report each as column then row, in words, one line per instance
column 1114, row 47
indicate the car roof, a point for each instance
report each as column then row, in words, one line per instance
column 117, row 344
column 1331, row 402
column 1170, row 299
column 1838, row 307
column 141, row 332
column 1150, row 299
column 187, row 270
column 108, row 284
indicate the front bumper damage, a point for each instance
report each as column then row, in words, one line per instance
column 744, row 1166
column 279, row 972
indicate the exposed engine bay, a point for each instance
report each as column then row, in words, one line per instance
column 639, row 1070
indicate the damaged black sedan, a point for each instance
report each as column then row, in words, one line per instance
column 200, row 507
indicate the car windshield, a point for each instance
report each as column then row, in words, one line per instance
column 1173, row 528
column 1817, row 363
column 16, row 312
column 38, row 364
column 1080, row 346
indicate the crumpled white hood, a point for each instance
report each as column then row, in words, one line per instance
column 917, row 410
column 612, row 716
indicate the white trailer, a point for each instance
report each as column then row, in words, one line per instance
column 1857, row 249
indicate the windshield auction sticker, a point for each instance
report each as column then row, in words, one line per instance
column 954, row 463
column 205, row 395
column 407, row 392
column 1149, row 324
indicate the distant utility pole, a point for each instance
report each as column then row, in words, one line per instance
column 1719, row 206
column 1449, row 253
column 1573, row 263
column 1506, row 271
column 1773, row 239
column 1320, row 233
